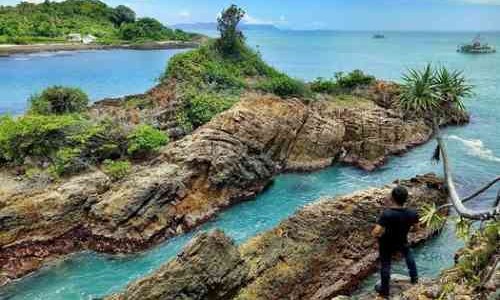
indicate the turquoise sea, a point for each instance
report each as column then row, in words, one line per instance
column 475, row 148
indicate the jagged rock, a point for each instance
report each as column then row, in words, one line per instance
column 209, row 267
column 322, row 251
column 229, row 159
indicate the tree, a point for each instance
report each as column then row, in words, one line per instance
column 231, row 37
column 59, row 100
column 432, row 93
column 122, row 14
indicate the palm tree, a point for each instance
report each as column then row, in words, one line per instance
column 432, row 93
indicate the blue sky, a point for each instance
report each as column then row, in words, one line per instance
column 474, row 15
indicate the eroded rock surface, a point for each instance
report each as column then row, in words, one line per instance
column 322, row 251
column 229, row 159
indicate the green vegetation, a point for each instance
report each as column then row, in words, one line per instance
column 53, row 21
column 56, row 133
column 470, row 268
column 201, row 107
column 231, row 39
column 116, row 170
column 283, row 86
column 431, row 91
column 59, row 100
column 342, row 83
column 145, row 140
column 35, row 136
column 211, row 78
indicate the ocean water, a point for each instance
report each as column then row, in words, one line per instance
column 475, row 148
column 101, row 74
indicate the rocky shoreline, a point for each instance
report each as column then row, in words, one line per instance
column 322, row 251
column 230, row 159
column 9, row 50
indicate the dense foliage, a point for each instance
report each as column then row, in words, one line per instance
column 145, row 140
column 209, row 81
column 283, row 86
column 116, row 170
column 59, row 100
column 56, row 135
column 434, row 90
column 53, row 21
column 231, row 38
column 342, row 82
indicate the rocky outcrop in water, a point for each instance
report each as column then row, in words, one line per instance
column 322, row 251
column 229, row 159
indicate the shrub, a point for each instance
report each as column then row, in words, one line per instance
column 202, row 107
column 321, row 85
column 283, row 86
column 59, row 100
column 116, row 170
column 145, row 140
column 354, row 79
column 101, row 141
column 34, row 135
column 68, row 161
column 145, row 29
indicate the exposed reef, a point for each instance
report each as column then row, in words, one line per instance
column 322, row 251
column 229, row 159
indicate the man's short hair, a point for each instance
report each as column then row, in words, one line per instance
column 400, row 195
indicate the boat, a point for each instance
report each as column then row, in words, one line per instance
column 378, row 36
column 476, row 47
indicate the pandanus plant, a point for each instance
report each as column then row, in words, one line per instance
column 433, row 93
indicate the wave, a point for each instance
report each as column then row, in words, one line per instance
column 477, row 148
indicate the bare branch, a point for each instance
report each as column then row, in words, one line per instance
column 457, row 203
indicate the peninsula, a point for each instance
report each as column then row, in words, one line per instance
column 84, row 25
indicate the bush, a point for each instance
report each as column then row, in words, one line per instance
column 321, row 85
column 145, row 140
column 116, row 170
column 59, row 100
column 354, row 79
column 68, row 161
column 202, row 107
column 149, row 29
column 35, row 136
column 283, row 86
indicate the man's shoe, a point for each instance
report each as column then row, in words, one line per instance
column 381, row 295
column 414, row 281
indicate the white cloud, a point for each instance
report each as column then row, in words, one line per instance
column 248, row 19
column 185, row 14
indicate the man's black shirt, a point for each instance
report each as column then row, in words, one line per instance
column 397, row 223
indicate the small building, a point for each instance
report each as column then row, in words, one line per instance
column 75, row 37
column 89, row 39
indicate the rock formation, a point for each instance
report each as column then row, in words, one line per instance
column 322, row 251
column 229, row 159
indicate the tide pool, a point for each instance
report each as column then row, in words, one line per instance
column 475, row 149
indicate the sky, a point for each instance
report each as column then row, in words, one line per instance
column 440, row 15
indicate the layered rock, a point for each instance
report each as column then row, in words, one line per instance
column 322, row 251
column 231, row 158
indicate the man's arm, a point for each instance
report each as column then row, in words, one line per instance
column 378, row 231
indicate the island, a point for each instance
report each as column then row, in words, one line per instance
column 84, row 25
column 122, row 175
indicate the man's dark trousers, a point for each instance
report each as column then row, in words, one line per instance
column 385, row 254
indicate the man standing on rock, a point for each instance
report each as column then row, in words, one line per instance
column 392, row 231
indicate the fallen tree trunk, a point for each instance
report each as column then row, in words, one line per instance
column 458, row 204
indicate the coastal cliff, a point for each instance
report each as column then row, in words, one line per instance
column 322, row 251
column 230, row 159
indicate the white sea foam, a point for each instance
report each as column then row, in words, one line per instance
column 477, row 148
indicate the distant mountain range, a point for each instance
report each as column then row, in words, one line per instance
column 213, row 26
